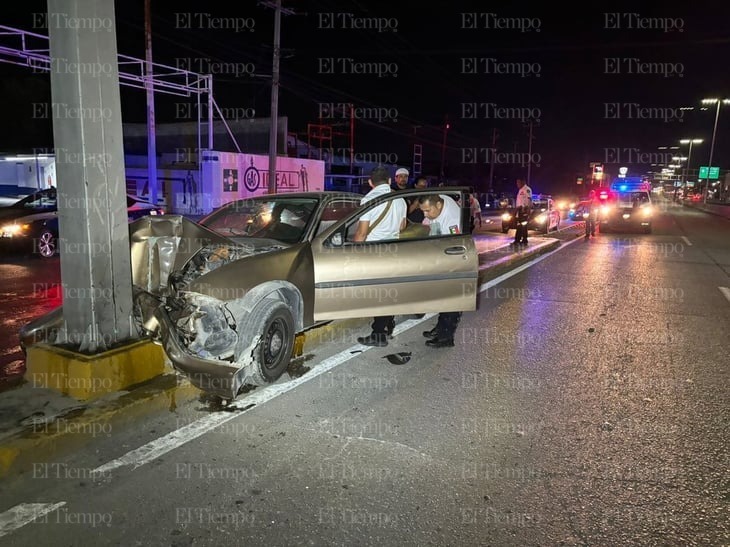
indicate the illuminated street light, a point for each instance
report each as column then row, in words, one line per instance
column 689, row 155
column 714, row 132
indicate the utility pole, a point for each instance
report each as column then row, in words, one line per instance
column 352, row 138
column 276, row 6
column 443, row 148
column 151, row 146
column 493, row 150
column 529, row 153
column 274, row 99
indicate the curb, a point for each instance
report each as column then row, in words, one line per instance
column 47, row 437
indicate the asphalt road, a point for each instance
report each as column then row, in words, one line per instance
column 29, row 287
column 585, row 403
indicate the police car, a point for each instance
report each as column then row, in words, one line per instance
column 628, row 206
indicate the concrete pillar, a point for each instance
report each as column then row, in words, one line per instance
column 92, row 208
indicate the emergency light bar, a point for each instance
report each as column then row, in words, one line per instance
column 630, row 185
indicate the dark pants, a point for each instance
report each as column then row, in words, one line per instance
column 521, row 231
column 447, row 323
column 380, row 324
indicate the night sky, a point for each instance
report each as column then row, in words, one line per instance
column 599, row 87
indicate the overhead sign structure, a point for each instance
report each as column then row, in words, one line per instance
column 707, row 172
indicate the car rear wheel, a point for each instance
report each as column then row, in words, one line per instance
column 273, row 321
column 47, row 243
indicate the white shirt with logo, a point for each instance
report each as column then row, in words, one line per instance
column 449, row 221
column 389, row 227
column 524, row 197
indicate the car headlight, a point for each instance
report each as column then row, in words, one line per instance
column 540, row 218
column 12, row 230
column 647, row 211
column 506, row 216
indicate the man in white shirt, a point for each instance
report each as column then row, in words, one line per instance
column 444, row 216
column 442, row 213
column 383, row 222
column 523, row 206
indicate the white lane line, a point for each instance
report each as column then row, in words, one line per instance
column 687, row 241
column 25, row 513
column 523, row 267
column 154, row 449
column 725, row 292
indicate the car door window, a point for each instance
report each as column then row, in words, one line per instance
column 335, row 211
column 455, row 225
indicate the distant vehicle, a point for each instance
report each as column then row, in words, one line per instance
column 577, row 210
column 31, row 224
column 544, row 217
column 628, row 206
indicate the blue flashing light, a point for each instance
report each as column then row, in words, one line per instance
column 623, row 187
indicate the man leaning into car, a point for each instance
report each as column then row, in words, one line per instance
column 383, row 222
column 444, row 216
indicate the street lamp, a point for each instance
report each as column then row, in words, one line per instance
column 689, row 155
column 714, row 132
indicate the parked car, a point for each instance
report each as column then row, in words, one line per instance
column 226, row 296
column 31, row 224
column 543, row 216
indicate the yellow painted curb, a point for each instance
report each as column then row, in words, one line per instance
column 85, row 377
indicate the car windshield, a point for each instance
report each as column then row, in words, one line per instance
column 284, row 219
column 632, row 199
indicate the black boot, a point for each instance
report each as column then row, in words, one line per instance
column 375, row 339
column 390, row 328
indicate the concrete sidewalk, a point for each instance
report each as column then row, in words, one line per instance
column 44, row 423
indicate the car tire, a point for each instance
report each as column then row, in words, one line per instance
column 46, row 243
column 273, row 320
column 647, row 229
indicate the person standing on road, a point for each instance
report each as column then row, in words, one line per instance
column 594, row 205
column 476, row 212
column 383, row 222
column 523, row 206
column 445, row 218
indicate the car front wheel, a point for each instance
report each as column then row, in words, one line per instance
column 273, row 321
column 46, row 243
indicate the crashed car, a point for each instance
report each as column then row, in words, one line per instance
column 227, row 295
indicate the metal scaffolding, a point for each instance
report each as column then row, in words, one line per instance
column 31, row 50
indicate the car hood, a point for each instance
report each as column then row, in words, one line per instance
column 26, row 216
column 9, row 214
column 161, row 245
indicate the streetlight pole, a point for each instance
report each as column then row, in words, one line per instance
column 714, row 133
column 689, row 155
